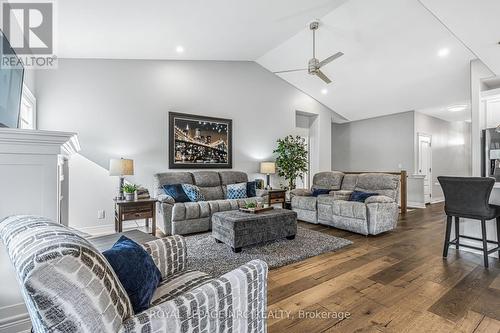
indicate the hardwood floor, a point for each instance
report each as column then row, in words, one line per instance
column 395, row 282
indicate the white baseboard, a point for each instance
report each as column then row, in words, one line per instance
column 437, row 200
column 14, row 319
column 411, row 204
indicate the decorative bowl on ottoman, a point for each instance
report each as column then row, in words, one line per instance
column 238, row 229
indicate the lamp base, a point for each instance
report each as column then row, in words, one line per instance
column 268, row 182
column 120, row 195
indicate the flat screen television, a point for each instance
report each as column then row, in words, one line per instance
column 11, row 84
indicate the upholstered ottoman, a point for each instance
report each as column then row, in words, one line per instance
column 238, row 229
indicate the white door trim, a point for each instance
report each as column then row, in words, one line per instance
column 427, row 138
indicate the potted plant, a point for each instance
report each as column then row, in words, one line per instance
column 291, row 160
column 129, row 191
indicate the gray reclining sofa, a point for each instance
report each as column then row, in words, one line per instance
column 177, row 218
column 376, row 215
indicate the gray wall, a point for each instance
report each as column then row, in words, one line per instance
column 451, row 148
column 375, row 144
column 120, row 107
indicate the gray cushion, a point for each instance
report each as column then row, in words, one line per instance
column 301, row 192
column 206, row 178
column 349, row 182
column 341, row 195
column 209, row 184
column 330, row 180
column 223, row 205
column 327, row 205
column 381, row 183
column 212, row 193
column 352, row 209
column 169, row 178
column 190, row 210
column 306, row 203
column 378, row 199
column 232, row 177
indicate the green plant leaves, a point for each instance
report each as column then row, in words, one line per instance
column 291, row 160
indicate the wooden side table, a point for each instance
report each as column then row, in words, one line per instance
column 135, row 210
column 277, row 196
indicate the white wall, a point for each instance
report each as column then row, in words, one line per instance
column 376, row 144
column 451, row 148
column 119, row 108
column 478, row 71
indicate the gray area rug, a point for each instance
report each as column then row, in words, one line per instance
column 205, row 255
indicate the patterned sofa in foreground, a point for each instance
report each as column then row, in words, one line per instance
column 68, row 286
column 376, row 215
column 189, row 217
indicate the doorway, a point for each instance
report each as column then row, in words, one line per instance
column 425, row 164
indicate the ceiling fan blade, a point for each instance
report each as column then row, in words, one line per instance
column 291, row 70
column 322, row 76
column 330, row 59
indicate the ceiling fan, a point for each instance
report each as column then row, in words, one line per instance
column 314, row 65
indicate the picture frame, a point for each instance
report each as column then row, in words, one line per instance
column 199, row 142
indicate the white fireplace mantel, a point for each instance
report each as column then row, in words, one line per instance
column 22, row 141
column 33, row 180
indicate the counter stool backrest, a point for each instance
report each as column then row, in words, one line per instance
column 467, row 196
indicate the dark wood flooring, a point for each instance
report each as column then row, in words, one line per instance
column 395, row 282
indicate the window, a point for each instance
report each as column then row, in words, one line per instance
column 27, row 115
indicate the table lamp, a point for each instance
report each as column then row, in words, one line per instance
column 268, row 168
column 121, row 167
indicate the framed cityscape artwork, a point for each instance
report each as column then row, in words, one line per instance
column 199, row 142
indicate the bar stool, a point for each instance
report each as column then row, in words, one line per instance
column 468, row 197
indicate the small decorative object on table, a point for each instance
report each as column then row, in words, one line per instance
column 255, row 208
column 129, row 191
column 142, row 193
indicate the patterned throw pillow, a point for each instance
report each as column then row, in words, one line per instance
column 193, row 192
column 237, row 191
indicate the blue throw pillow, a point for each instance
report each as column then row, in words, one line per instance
column 251, row 189
column 176, row 191
column 193, row 192
column 136, row 271
column 237, row 191
column 361, row 196
column 318, row 191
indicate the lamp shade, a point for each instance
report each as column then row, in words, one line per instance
column 121, row 167
column 267, row 167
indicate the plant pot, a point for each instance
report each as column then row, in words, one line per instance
column 130, row 196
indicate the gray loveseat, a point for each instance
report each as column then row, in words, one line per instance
column 178, row 218
column 376, row 215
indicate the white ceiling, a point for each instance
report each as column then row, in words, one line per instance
column 207, row 29
column 476, row 23
column 442, row 112
column 390, row 63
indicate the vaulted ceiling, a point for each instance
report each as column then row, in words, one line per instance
column 207, row 29
column 391, row 62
